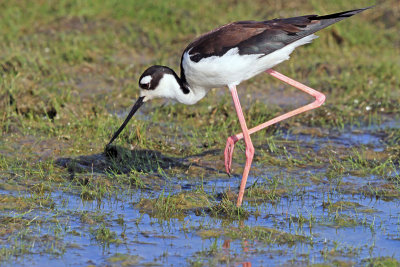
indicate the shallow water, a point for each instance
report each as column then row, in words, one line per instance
column 175, row 241
column 350, row 138
column 371, row 226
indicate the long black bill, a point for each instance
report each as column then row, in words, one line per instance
column 135, row 107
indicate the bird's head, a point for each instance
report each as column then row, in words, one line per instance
column 157, row 81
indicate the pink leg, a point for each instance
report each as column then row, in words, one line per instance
column 247, row 141
column 319, row 100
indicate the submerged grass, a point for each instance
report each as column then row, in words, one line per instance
column 227, row 209
column 256, row 233
column 104, row 235
column 174, row 206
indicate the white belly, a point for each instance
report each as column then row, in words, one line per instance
column 232, row 68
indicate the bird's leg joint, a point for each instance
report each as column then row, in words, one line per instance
column 319, row 99
column 249, row 152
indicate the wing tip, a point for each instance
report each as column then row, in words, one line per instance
column 343, row 14
column 355, row 11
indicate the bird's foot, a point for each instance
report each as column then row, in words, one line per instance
column 230, row 145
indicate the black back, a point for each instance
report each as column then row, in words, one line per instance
column 261, row 37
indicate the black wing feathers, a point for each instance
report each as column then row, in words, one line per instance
column 263, row 37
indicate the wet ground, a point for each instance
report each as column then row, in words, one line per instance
column 296, row 212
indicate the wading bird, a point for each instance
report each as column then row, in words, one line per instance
column 229, row 55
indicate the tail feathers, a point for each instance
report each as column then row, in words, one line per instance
column 312, row 23
column 317, row 23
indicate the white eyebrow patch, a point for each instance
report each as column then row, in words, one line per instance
column 145, row 79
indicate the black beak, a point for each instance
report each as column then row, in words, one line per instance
column 135, row 107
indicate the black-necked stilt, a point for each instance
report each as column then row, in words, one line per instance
column 229, row 55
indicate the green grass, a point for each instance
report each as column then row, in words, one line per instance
column 174, row 206
column 104, row 235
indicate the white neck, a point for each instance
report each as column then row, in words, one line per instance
column 169, row 87
column 192, row 97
